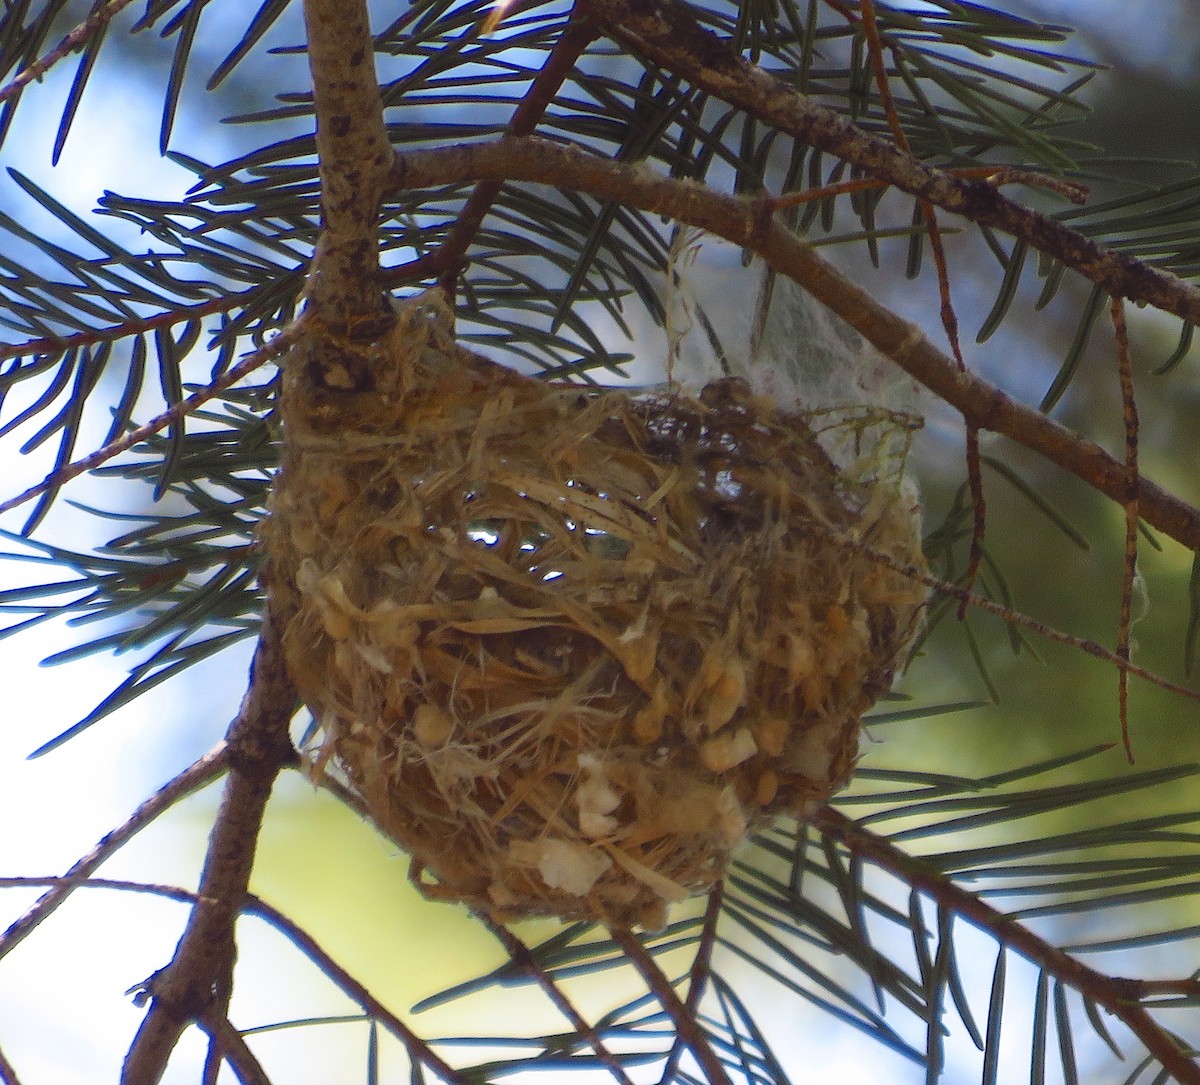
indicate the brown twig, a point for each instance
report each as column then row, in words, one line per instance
column 73, row 41
column 1139, row 989
column 1130, row 989
column 665, row 32
column 687, row 1027
column 253, row 905
column 1075, row 191
column 197, row 775
column 1014, row 617
column 519, row 953
column 417, row 1048
column 580, row 32
column 1113, row 994
column 749, row 222
column 184, row 407
column 698, row 977
column 200, row 973
column 874, row 42
column 1006, row 175
column 8, row 1073
column 54, row 344
column 228, row 1045
column 1129, row 418
column 354, row 154
column 844, row 11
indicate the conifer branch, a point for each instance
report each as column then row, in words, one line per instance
column 949, row 316
column 174, row 413
column 1108, row 991
column 666, row 33
column 686, row 1026
column 519, row 953
column 449, row 256
column 699, row 975
column 199, row 977
column 255, row 906
column 100, row 17
column 346, row 306
column 419, row 1051
column 969, row 598
column 183, row 314
column 196, row 776
column 750, row 222
column 354, row 155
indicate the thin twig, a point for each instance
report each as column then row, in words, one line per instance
column 228, row 1045
column 200, row 973
column 1013, row 617
column 1070, row 190
column 211, row 1072
column 1129, row 418
column 874, row 42
column 253, row 905
column 1188, row 987
column 698, row 977
column 418, row 1049
column 578, row 35
column 1126, row 987
column 687, row 1027
column 184, row 407
column 1075, row 191
column 197, row 775
column 843, row 10
column 122, row 885
column 1106, row 991
column 666, row 33
column 749, row 222
column 56, row 344
column 519, row 953
column 73, row 42
column 8, row 1074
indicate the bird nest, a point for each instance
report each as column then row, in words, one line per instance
column 569, row 645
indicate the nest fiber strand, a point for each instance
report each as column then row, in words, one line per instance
column 570, row 645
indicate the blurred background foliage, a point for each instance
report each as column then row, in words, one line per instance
column 340, row 881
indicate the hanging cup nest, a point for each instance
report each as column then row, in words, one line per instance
column 569, row 645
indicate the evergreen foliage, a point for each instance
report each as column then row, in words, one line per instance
column 174, row 336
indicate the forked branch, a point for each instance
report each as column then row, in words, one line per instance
column 666, row 33
column 687, row 1026
column 185, row 407
column 357, row 167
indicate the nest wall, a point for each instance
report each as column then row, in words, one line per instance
column 570, row 645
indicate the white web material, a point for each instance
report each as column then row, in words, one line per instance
column 726, row 318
